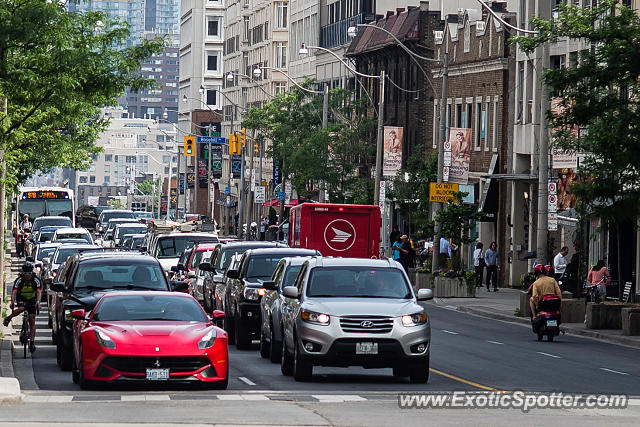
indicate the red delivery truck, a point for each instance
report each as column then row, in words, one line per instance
column 336, row 230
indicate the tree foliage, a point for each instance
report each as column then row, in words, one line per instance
column 57, row 68
column 148, row 187
column 602, row 95
column 411, row 191
column 310, row 155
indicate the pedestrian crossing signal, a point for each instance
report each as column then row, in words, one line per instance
column 189, row 145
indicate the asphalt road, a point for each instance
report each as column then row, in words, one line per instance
column 468, row 353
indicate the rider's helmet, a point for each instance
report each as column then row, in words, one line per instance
column 539, row 269
column 548, row 269
column 27, row 267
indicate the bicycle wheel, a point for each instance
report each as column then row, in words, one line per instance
column 25, row 335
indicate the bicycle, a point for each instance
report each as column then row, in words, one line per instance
column 25, row 332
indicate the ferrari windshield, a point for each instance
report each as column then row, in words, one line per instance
column 168, row 307
column 109, row 273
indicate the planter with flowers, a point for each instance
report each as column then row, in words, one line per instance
column 450, row 283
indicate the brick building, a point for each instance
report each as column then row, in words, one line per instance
column 480, row 96
column 412, row 108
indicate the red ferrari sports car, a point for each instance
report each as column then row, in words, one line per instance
column 149, row 336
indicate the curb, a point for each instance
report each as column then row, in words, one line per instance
column 614, row 339
column 10, row 391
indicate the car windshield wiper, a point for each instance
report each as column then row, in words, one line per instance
column 91, row 288
column 132, row 286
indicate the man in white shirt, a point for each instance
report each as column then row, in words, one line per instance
column 560, row 262
column 478, row 264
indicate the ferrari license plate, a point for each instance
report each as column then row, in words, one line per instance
column 157, row 374
column 552, row 323
column 366, row 348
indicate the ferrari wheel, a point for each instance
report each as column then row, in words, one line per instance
column 84, row 383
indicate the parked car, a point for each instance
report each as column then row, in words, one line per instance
column 45, row 221
column 244, row 290
column 42, row 256
column 106, row 215
column 68, row 233
column 108, row 236
column 60, row 255
column 270, row 305
column 196, row 278
column 222, row 254
column 85, row 278
column 87, row 216
column 148, row 336
column 220, row 290
column 144, row 217
column 43, row 235
column 355, row 311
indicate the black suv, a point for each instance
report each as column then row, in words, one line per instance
column 86, row 277
column 244, row 290
column 222, row 253
column 87, row 216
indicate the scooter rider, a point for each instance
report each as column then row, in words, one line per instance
column 27, row 292
column 544, row 285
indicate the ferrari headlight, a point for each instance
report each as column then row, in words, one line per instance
column 414, row 319
column 253, row 293
column 208, row 340
column 104, row 340
column 317, row 318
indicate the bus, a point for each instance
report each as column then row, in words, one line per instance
column 44, row 201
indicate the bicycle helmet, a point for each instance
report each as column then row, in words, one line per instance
column 27, row 267
column 548, row 269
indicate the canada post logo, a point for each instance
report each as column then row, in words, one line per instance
column 339, row 235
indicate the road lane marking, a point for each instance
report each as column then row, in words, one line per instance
column 462, row 380
column 143, row 397
column 229, row 397
column 615, row 372
column 337, row 398
column 246, row 380
column 47, row 399
column 495, row 342
column 449, row 332
column 254, row 397
column 547, row 354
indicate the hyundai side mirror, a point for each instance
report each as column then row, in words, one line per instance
column 57, row 287
column 205, row 266
column 425, row 294
column 291, row 292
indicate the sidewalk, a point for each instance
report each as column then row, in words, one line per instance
column 9, row 386
column 502, row 305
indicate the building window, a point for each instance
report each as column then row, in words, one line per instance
column 448, row 120
column 213, row 26
column 281, row 55
column 212, row 61
column 107, row 169
column 495, row 124
column 459, row 117
column 436, row 135
column 108, row 157
column 246, row 29
column 280, row 87
column 92, row 179
column 212, row 97
column 480, row 115
column 107, row 180
column 281, row 14
column 487, row 125
column 520, row 91
column 83, row 180
column 166, row 159
column 467, row 121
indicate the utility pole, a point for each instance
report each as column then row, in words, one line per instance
column 543, row 160
column 3, row 175
column 196, row 181
column 228, row 207
column 442, row 128
column 379, row 139
column 211, row 201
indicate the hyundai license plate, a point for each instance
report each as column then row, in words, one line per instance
column 552, row 323
column 157, row 374
column 366, row 348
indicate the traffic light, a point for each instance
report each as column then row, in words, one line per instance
column 189, row 145
column 242, row 137
column 256, row 147
column 233, row 145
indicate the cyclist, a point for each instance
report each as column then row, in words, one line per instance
column 27, row 292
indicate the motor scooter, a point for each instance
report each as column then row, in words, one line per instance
column 547, row 322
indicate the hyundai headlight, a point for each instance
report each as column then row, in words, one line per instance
column 104, row 340
column 313, row 317
column 414, row 319
column 208, row 340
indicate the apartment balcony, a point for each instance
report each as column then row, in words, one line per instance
column 334, row 35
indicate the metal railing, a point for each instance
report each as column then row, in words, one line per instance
column 335, row 34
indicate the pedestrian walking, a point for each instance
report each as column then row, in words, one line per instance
column 478, row 264
column 560, row 262
column 397, row 245
column 599, row 275
column 405, row 250
column 395, row 234
column 492, row 260
column 263, row 227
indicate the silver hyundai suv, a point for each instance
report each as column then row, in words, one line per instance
column 354, row 312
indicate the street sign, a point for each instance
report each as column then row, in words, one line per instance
column 552, row 221
column 440, row 192
column 445, row 173
column 383, row 191
column 211, row 140
column 253, row 179
column 447, row 146
column 227, row 190
column 281, row 195
column 447, row 158
column 287, row 191
column 552, row 203
column 260, row 195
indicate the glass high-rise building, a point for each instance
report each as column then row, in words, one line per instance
column 130, row 11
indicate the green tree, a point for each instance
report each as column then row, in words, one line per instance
column 148, row 187
column 115, row 204
column 456, row 219
column 57, row 68
column 411, row 191
column 599, row 94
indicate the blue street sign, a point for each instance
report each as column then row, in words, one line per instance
column 211, row 139
column 227, row 190
column 281, row 195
